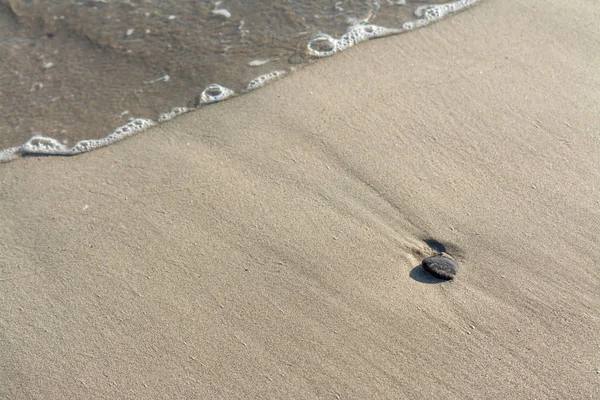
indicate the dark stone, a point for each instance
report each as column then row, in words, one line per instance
column 441, row 267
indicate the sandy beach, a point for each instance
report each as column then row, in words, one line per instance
column 269, row 247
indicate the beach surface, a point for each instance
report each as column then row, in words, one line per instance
column 269, row 247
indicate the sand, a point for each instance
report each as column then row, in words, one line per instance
column 268, row 247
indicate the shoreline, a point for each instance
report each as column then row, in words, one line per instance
column 215, row 93
column 269, row 247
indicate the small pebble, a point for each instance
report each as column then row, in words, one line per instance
column 440, row 267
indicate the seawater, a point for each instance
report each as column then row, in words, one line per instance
column 76, row 75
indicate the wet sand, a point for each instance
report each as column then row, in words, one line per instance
column 269, row 246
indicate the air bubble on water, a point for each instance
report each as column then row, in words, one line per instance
column 322, row 45
column 215, row 93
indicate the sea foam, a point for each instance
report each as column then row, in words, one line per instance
column 49, row 146
column 324, row 45
column 262, row 80
column 215, row 93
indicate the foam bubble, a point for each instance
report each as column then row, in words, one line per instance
column 215, row 93
column 10, row 154
column 263, row 80
column 323, row 45
column 175, row 112
column 44, row 145
column 436, row 12
column 431, row 13
column 131, row 128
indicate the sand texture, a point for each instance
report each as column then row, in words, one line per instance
column 268, row 247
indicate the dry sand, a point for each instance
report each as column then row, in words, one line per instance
column 266, row 247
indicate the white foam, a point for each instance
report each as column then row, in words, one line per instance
column 10, row 154
column 323, row 45
column 44, row 145
column 256, row 63
column 215, row 93
column 222, row 12
column 49, row 146
column 435, row 12
column 175, row 112
column 262, row 80
column 359, row 33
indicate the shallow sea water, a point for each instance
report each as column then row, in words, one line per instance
column 78, row 69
